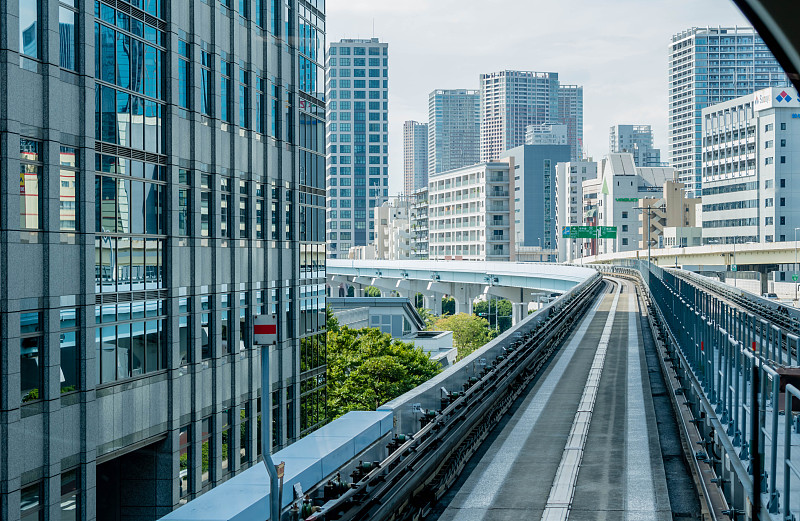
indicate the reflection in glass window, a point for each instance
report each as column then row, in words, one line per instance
column 30, row 363
column 68, row 173
column 68, row 33
column 69, row 350
column 30, row 503
column 206, row 451
column 29, row 28
column 184, row 474
column 69, row 495
column 30, row 177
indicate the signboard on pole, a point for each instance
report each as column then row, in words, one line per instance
column 734, row 267
column 265, row 330
column 794, row 278
column 565, row 232
column 608, row 232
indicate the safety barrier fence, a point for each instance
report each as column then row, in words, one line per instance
column 734, row 368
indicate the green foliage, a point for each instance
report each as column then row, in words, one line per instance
column 469, row 331
column 67, row 389
column 427, row 317
column 419, row 301
column 331, row 322
column 32, row 395
column 367, row 368
column 497, row 311
column 372, row 291
column 448, row 306
column 351, row 291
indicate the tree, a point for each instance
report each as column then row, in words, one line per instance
column 469, row 331
column 427, row 317
column 367, row 368
column 496, row 311
column 448, row 306
column 372, row 291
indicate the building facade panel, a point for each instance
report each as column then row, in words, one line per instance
column 171, row 186
column 453, row 129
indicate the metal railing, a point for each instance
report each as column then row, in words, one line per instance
column 730, row 364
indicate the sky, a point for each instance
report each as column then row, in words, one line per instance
column 615, row 49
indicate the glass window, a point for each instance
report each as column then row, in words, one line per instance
column 244, row 98
column 68, row 33
column 30, row 504
column 30, row 177
column 205, row 330
column 184, row 74
column 244, row 435
column 29, row 28
column 69, row 350
column 225, row 91
column 69, row 495
column 227, row 421
column 206, row 448
column 206, row 103
column 68, row 189
column 30, row 363
column 184, row 474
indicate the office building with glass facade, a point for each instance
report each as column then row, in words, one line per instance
column 709, row 65
column 171, row 186
column 570, row 113
column 358, row 141
column 454, row 129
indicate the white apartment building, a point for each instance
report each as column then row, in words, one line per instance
column 751, row 160
column 357, row 172
column 709, row 65
column 470, row 213
column 570, row 177
column 415, row 156
column 613, row 199
column 419, row 224
column 393, row 238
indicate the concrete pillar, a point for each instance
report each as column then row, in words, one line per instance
column 519, row 312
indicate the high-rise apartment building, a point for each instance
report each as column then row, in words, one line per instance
column 709, row 65
column 357, row 176
column 415, row 156
column 636, row 140
column 454, row 129
column 751, row 155
column 570, row 113
column 171, row 187
column 510, row 101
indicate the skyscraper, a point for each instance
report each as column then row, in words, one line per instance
column 415, row 156
column 636, row 140
column 709, row 65
column 358, row 136
column 510, row 101
column 570, row 113
column 454, row 129
column 168, row 193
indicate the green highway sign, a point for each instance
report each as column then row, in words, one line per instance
column 589, row 232
column 794, row 278
column 734, row 267
column 608, row 232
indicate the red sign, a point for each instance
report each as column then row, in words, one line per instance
column 265, row 329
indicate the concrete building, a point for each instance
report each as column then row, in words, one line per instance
column 636, row 140
column 669, row 220
column 546, row 135
column 570, row 113
column 613, row 199
column 710, row 65
column 470, row 213
column 570, row 178
column 415, row 156
column 398, row 317
column 510, row 101
column 357, row 177
column 534, row 192
column 419, row 224
column 393, row 236
column 453, row 129
column 751, row 156
column 161, row 206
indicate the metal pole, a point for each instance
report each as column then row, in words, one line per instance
column 274, row 491
column 755, row 449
